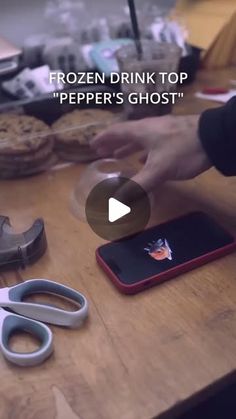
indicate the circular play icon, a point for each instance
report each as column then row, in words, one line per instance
column 117, row 208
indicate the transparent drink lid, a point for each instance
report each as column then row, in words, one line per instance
column 95, row 173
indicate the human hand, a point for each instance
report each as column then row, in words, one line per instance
column 172, row 145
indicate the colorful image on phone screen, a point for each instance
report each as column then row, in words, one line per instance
column 159, row 250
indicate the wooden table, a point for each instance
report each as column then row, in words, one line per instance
column 136, row 357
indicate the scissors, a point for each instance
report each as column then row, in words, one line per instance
column 30, row 315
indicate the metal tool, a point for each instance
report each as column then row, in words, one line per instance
column 13, row 299
column 19, row 250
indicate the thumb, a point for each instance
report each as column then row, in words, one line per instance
column 116, row 136
column 149, row 177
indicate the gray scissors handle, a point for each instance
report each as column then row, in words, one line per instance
column 12, row 323
column 13, row 298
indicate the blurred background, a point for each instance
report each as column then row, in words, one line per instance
column 20, row 19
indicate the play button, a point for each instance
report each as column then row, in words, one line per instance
column 116, row 208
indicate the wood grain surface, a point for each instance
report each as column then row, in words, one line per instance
column 136, row 357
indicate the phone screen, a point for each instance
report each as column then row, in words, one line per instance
column 164, row 247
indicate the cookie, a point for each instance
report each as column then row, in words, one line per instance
column 74, row 131
column 28, row 157
column 26, row 145
column 13, row 173
column 21, row 134
column 79, row 126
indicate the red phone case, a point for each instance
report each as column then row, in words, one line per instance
column 164, row 276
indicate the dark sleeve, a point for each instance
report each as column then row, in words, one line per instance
column 217, row 130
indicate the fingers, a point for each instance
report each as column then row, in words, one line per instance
column 143, row 158
column 115, row 138
column 149, row 178
column 126, row 150
column 103, row 152
column 146, row 179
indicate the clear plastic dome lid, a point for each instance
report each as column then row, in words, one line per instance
column 94, row 174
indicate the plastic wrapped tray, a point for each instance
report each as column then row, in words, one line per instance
column 37, row 134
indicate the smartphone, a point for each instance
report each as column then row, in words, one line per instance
column 164, row 251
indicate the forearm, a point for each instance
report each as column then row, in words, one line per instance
column 217, row 130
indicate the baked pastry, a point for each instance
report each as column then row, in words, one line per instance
column 73, row 132
column 26, row 145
